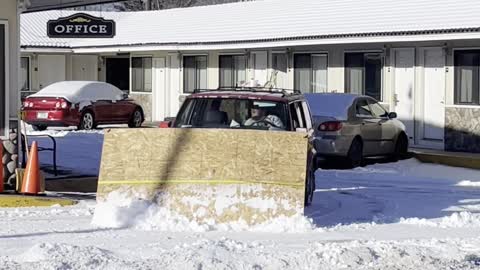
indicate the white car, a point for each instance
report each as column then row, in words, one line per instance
column 352, row 127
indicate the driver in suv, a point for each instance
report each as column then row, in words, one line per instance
column 259, row 118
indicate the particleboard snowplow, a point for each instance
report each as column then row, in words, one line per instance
column 204, row 174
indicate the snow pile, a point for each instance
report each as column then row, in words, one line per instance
column 119, row 211
column 55, row 210
column 456, row 220
column 64, row 256
column 227, row 253
column 415, row 169
column 468, row 183
column 93, row 131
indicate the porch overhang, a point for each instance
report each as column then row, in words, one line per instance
column 275, row 43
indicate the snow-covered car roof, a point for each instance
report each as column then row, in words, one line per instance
column 330, row 104
column 81, row 91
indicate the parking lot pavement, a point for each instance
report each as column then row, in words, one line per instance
column 386, row 192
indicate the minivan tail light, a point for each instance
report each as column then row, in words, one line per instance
column 330, row 126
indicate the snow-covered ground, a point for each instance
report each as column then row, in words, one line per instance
column 78, row 151
column 404, row 215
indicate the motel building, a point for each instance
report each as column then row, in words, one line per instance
column 11, row 79
column 421, row 59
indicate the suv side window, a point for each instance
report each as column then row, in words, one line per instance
column 298, row 117
column 185, row 113
column 377, row 109
column 362, row 108
column 308, row 117
column 293, row 113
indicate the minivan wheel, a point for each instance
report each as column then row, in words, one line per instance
column 137, row 119
column 355, row 153
column 39, row 127
column 87, row 122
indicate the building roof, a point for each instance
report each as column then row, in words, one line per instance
column 279, row 21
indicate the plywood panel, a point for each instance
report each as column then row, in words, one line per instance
column 202, row 164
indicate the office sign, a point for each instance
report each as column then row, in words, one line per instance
column 81, row 25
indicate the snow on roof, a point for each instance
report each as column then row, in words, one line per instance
column 267, row 20
column 81, row 91
column 330, row 104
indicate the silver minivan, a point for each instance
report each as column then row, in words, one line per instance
column 353, row 126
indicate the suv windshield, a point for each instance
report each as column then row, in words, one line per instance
column 232, row 113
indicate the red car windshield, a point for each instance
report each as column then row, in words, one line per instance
column 232, row 113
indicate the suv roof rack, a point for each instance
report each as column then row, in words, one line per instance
column 285, row 92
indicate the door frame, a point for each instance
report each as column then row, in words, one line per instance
column 413, row 140
column 157, row 93
column 103, row 73
column 433, row 144
column 6, row 52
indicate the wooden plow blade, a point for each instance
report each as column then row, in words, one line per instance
column 208, row 174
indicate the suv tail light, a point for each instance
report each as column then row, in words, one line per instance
column 330, row 126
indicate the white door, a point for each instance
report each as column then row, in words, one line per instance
column 174, row 77
column 260, row 63
column 84, row 68
column 404, row 61
column 160, row 102
column 51, row 68
column 434, row 94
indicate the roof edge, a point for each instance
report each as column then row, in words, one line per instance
column 269, row 40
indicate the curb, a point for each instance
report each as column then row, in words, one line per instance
column 7, row 200
column 450, row 159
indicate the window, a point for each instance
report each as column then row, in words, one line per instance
column 308, row 117
column 467, row 77
column 310, row 72
column 24, row 74
column 279, row 70
column 363, row 74
column 141, row 74
column 232, row 70
column 194, row 73
column 377, row 109
column 362, row 108
column 2, row 79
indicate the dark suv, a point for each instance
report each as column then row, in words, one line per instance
column 251, row 108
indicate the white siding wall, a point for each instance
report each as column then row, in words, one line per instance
column 335, row 75
column 8, row 15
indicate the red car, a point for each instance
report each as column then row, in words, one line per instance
column 84, row 104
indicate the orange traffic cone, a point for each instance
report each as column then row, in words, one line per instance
column 31, row 177
column 1, row 166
